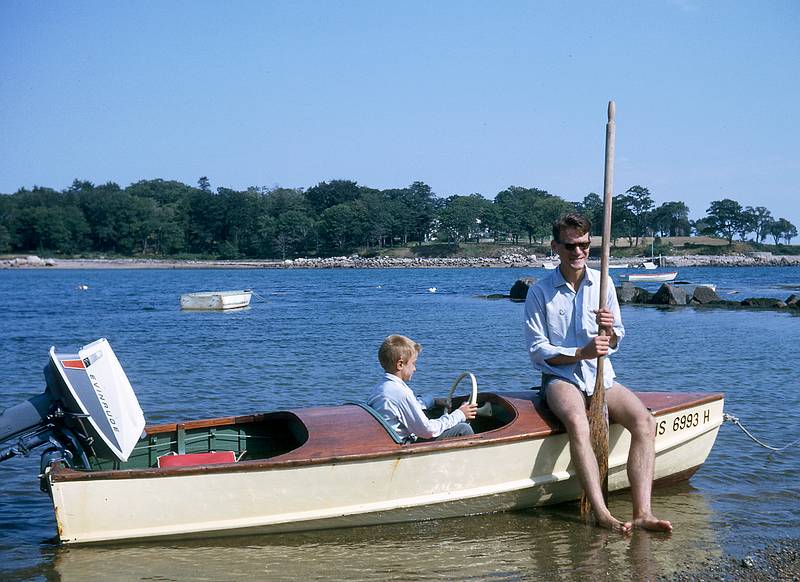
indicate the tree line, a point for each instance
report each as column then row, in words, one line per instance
column 172, row 219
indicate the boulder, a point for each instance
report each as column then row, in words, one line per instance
column 669, row 295
column 703, row 295
column 519, row 290
column 765, row 302
column 793, row 300
column 629, row 293
column 626, row 293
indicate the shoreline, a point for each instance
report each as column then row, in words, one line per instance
column 357, row 262
column 777, row 560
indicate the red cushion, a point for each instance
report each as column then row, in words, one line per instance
column 189, row 459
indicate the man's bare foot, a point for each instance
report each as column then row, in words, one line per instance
column 612, row 523
column 652, row 523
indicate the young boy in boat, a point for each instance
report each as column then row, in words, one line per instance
column 404, row 411
column 562, row 321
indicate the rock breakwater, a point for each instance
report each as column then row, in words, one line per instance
column 382, row 262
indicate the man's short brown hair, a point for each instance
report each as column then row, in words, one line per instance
column 572, row 220
column 395, row 348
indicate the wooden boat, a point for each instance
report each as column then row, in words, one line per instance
column 648, row 277
column 301, row 470
column 216, row 300
column 305, row 469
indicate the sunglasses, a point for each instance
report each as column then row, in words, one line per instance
column 572, row 246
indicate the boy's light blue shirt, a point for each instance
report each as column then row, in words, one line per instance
column 558, row 321
column 404, row 412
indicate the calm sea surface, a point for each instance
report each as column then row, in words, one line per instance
column 311, row 338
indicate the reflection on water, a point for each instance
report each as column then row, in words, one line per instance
column 540, row 544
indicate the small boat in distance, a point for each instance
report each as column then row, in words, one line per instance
column 648, row 277
column 618, row 265
column 296, row 469
column 216, row 300
column 551, row 263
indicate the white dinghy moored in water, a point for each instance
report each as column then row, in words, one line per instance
column 648, row 277
column 216, row 300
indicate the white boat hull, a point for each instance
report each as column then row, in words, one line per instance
column 215, row 300
column 427, row 484
column 648, row 277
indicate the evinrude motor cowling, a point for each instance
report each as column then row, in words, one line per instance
column 88, row 409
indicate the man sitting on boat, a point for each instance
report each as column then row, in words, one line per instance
column 562, row 321
column 404, row 412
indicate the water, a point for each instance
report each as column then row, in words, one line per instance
column 313, row 340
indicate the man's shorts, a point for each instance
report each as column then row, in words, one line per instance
column 548, row 378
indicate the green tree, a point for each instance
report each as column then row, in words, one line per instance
column 592, row 208
column 327, row 194
column 544, row 211
column 638, row 201
column 461, row 217
column 763, row 221
column 292, row 232
column 493, row 222
column 205, row 221
column 521, row 213
column 414, row 216
column 724, row 217
column 671, row 219
column 782, row 228
column 622, row 219
column 5, row 239
column 511, row 205
column 747, row 223
column 342, row 226
column 288, row 225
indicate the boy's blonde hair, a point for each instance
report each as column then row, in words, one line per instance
column 395, row 348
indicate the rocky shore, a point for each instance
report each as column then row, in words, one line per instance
column 671, row 295
column 385, row 262
column 777, row 561
column 748, row 260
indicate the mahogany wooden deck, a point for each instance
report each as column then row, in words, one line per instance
column 349, row 433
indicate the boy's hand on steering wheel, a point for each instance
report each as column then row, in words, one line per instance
column 469, row 410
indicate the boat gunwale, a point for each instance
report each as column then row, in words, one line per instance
column 221, row 293
column 59, row 473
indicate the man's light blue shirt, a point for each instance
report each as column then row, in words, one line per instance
column 559, row 320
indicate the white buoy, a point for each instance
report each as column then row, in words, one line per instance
column 82, row 287
column 431, row 289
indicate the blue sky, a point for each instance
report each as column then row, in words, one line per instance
column 465, row 96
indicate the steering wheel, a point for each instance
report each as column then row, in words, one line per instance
column 473, row 399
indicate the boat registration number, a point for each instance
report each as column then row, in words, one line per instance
column 684, row 421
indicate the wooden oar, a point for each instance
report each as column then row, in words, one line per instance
column 598, row 421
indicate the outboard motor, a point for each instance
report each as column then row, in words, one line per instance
column 88, row 409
